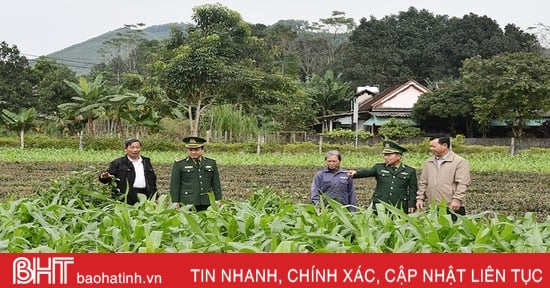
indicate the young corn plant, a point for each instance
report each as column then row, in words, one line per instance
column 77, row 214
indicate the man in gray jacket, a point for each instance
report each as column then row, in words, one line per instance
column 445, row 178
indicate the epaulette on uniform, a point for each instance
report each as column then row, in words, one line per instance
column 179, row 160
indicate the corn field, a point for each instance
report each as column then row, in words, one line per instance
column 52, row 201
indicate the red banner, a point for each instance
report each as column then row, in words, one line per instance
column 274, row 270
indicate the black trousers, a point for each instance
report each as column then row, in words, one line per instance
column 132, row 197
column 461, row 211
column 201, row 207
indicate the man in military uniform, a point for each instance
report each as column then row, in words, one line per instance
column 194, row 177
column 396, row 183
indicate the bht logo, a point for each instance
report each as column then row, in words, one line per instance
column 30, row 271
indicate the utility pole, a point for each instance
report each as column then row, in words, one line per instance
column 356, row 119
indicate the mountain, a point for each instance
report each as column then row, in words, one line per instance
column 83, row 56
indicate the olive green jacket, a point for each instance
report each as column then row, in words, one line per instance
column 190, row 182
column 396, row 186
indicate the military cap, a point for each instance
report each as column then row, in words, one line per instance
column 194, row 142
column 392, row 147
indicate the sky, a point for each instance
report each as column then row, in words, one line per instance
column 39, row 27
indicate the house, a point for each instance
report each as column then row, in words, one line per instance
column 375, row 109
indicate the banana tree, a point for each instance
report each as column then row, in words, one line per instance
column 91, row 99
column 20, row 122
column 134, row 108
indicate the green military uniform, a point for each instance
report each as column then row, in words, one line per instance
column 192, row 179
column 394, row 185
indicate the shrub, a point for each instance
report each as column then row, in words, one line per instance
column 346, row 135
column 396, row 129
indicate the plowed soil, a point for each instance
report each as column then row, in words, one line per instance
column 511, row 193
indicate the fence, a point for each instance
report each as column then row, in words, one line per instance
column 285, row 137
column 520, row 144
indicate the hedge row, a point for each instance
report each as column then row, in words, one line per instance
column 159, row 144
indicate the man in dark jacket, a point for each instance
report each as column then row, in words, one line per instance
column 194, row 176
column 396, row 183
column 132, row 173
column 334, row 182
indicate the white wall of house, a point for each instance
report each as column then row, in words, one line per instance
column 406, row 99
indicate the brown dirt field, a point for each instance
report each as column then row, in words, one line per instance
column 505, row 192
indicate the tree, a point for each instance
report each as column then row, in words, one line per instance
column 51, row 88
column 417, row 36
column 177, row 37
column 134, row 109
column 396, row 129
column 90, row 101
column 451, row 103
column 417, row 44
column 194, row 75
column 219, row 63
column 70, row 121
column 373, row 55
column 20, row 122
column 515, row 40
column 16, row 79
column 120, row 51
column 337, row 27
column 275, row 99
column 128, row 52
column 512, row 87
column 281, row 40
column 542, row 33
column 330, row 94
column 193, row 79
column 312, row 51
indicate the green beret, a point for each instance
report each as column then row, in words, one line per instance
column 194, row 142
column 392, row 147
